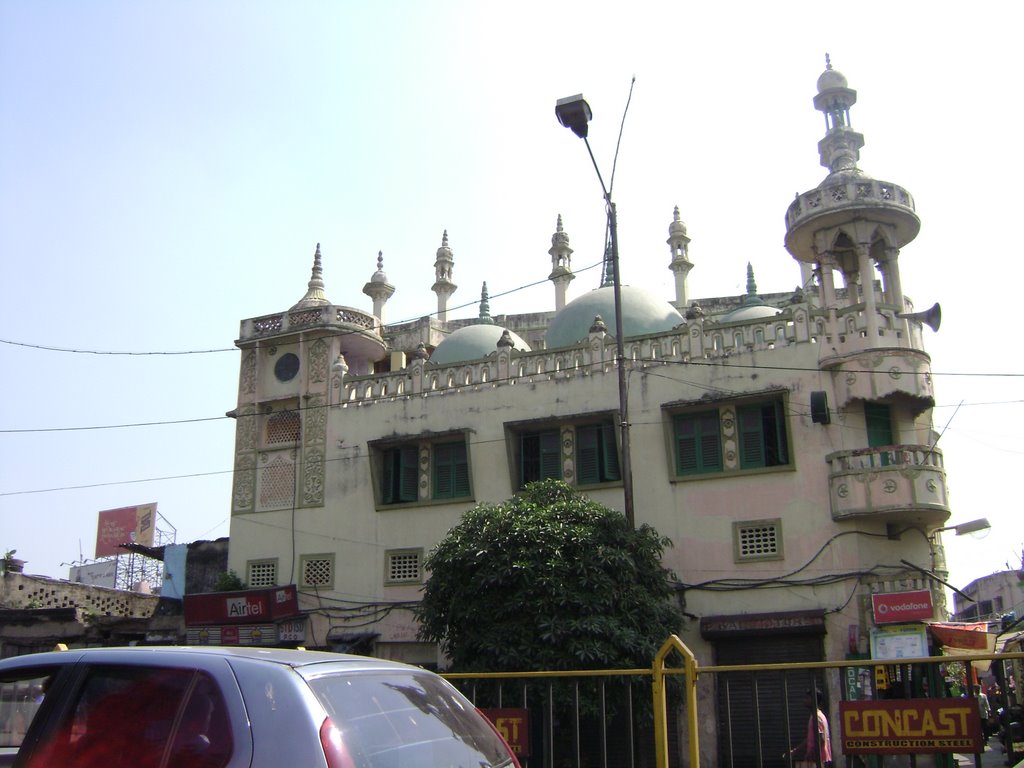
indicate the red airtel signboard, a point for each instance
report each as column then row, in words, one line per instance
column 252, row 606
column 894, row 607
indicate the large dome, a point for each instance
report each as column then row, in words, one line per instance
column 473, row 342
column 642, row 314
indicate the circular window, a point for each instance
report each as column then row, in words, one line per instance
column 286, row 367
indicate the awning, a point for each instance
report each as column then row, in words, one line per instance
column 961, row 638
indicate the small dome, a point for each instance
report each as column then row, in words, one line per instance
column 473, row 342
column 677, row 227
column 379, row 276
column 830, row 78
column 749, row 312
column 643, row 313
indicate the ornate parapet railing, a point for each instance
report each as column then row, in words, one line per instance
column 697, row 340
column 894, row 483
column 329, row 316
column 841, row 193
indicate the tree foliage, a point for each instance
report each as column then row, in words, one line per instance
column 549, row 579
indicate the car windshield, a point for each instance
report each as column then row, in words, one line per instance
column 395, row 720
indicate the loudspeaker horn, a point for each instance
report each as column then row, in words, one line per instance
column 930, row 317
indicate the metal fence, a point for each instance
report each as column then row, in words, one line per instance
column 650, row 717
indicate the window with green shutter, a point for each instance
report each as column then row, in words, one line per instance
column 399, row 474
column 698, row 443
column 451, row 470
column 762, row 435
column 539, row 456
column 597, row 458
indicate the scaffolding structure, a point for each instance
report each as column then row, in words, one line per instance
column 136, row 571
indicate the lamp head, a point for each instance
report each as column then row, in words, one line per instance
column 574, row 113
column 974, row 526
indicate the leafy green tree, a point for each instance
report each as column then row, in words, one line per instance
column 549, row 579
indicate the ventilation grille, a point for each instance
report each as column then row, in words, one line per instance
column 318, row 572
column 403, row 566
column 262, row 573
column 755, row 541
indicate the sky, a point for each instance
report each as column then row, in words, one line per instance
column 167, row 169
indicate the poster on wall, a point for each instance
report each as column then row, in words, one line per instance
column 905, row 641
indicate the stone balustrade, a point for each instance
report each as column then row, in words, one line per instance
column 694, row 341
column 294, row 320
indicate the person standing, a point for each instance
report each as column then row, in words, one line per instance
column 817, row 748
column 984, row 712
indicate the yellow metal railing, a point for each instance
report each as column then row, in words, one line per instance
column 659, row 671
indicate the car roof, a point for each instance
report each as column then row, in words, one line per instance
column 182, row 653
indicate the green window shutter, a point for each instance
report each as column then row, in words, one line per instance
column 451, row 471
column 710, row 443
column 609, row 454
column 550, row 461
column 399, row 475
column 529, row 458
column 698, row 443
column 539, row 456
column 878, row 419
column 751, row 436
column 588, row 454
column 778, row 452
column 387, row 476
column 407, row 474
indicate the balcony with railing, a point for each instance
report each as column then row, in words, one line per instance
column 892, row 483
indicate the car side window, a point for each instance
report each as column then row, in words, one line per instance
column 139, row 717
column 21, row 694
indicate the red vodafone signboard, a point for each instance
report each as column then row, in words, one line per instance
column 894, row 607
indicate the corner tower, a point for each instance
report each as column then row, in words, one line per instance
column 287, row 379
column 853, row 226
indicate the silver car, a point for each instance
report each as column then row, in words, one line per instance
column 214, row 707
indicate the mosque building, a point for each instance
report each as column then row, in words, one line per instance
column 783, row 442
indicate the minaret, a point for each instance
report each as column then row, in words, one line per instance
column 561, row 264
column 851, row 223
column 680, row 265
column 443, row 285
column 379, row 289
column 315, row 292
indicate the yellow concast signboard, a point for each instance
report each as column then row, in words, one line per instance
column 910, row 726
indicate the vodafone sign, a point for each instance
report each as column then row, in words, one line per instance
column 893, row 607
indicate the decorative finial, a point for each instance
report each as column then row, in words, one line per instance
column 675, row 214
column 828, row 62
column 444, row 239
column 751, row 299
column 315, row 288
column 380, row 261
column 485, row 306
column 558, row 226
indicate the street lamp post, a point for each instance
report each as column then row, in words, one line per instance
column 574, row 113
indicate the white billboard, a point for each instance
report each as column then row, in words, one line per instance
column 102, row 573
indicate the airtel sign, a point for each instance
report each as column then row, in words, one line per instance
column 894, row 607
